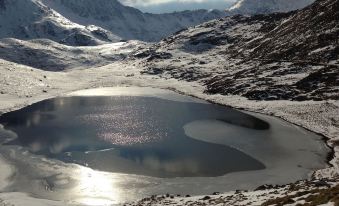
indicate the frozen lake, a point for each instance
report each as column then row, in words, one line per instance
column 113, row 145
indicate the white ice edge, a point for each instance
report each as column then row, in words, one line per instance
column 6, row 170
column 135, row 91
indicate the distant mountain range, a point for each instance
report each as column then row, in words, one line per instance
column 93, row 22
column 88, row 22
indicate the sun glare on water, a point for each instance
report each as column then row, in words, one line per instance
column 96, row 188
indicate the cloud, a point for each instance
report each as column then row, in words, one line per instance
column 160, row 6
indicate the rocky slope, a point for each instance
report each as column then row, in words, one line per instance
column 50, row 56
column 287, row 56
column 127, row 22
column 31, row 19
column 85, row 22
column 309, row 35
column 267, row 6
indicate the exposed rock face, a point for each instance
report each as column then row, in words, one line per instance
column 309, row 35
column 47, row 55
column 87, row 22
column 31, row 19
column 290, row 56
column 127, row 22
column 268, row 6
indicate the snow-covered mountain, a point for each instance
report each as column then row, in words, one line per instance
column 31, row 19
column 87, row 22
column 128, row 22
column 267, row 6
column 263, row 57
column 310, row 35
column 50, row 56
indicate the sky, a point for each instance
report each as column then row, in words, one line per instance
column 163, row 6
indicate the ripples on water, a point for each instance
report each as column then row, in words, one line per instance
column 134, row 135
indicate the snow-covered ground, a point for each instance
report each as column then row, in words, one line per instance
column 51, row 56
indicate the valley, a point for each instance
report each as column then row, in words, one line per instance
column 278, row 64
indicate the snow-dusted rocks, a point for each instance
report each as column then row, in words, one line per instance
column 290, row 56
column 127, row 22
column 87, row 22
column 51, row 56
column 31, row 19
column 267, row 6
column 308, row 35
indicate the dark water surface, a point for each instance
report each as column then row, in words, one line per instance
column 131, row 134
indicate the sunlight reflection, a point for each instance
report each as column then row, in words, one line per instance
column 117, row 91
column 97, row 188
column 60, row 102
column 95, row 201
column 135, row 91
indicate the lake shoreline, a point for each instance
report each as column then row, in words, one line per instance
column 281, row 109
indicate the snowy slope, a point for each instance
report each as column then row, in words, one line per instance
column 267, row 6
column 30, row 19
column 290, row 56
column 50, row 56
column 311, row 35
column 128, row 22
column 87, row 22
column 81, row 22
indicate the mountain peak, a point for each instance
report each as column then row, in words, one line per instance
column 71, row 21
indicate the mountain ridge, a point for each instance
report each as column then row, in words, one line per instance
column 250, row 7
column 85, row 23
column 30, row 19
column 128, row 22
column 280, row 56
column 88, row 23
